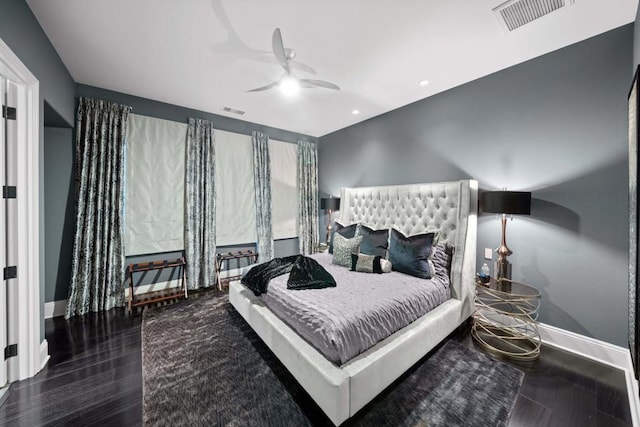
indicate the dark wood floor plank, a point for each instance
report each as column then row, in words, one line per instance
column 604, row 420
column 107, row 362
column 122, row 410
column 613, row 402
column 57, row 384
column 528, row 413
column 82, row 402
column 22, row 400
column 574, row 406
column 82, row 360
column 543, row 389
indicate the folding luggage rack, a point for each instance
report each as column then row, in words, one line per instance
column 249, row 255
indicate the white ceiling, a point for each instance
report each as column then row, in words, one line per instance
column 205, row 54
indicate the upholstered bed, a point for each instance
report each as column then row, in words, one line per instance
column 363, row 309
column 447, row 208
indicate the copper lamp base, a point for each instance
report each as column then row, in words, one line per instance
column 329, row 226
column 503, row 266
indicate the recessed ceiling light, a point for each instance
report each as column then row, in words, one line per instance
column 424, row 82
column 355, row 112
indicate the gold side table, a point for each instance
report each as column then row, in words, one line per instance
column 505, row 319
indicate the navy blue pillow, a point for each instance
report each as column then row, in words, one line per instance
column 346, row 231
column 374, row 242
column 410, row 255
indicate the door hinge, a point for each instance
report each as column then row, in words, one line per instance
column 10, row 272
column 9, row 113
column 10, row 351
column 9, row 192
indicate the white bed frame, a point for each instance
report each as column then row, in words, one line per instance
column 447, row 207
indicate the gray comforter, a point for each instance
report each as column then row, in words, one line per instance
column 362, row 310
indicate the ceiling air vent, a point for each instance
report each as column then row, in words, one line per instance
column 514, row 14
column 233, row 111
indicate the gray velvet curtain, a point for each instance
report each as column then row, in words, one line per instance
column 200, row 205
column 308, row 232
column 97, row 280
column 262, row 181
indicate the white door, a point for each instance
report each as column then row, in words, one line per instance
column 20, row 306
column 3, row 240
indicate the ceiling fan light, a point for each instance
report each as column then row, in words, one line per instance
column 289, row 86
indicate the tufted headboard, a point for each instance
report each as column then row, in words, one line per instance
column 447, row 208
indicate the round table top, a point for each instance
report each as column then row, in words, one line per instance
column 507, row 289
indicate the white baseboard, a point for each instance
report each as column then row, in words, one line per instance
column 591, row 348
column 54, row 308
column 599, row 351
column 44, row 354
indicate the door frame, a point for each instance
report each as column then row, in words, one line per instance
column 32, row 352
column 4, row 338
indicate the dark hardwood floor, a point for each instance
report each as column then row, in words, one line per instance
column 94, row 377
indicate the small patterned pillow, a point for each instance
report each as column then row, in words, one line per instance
column 343, row 248
column 370, row 264
column 348, row 231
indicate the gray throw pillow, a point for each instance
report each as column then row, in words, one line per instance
column 374, row 242
column 410, row 255
column 343, row 248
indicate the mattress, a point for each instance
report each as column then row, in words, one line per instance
column 363, row 309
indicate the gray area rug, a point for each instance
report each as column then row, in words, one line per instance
column 204, row 365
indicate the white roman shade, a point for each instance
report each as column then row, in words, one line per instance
column 284, row 191
column 236, row 207
column 154, row 199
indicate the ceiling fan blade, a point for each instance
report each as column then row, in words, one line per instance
column 320, row 83
column 302, row 67
column 269, row 86
column 278, row 50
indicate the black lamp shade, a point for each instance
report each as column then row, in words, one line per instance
column 330, row 204
column 506, row 202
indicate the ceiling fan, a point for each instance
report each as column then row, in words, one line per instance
column 289, row 83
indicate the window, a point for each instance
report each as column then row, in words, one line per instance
column 154, row 198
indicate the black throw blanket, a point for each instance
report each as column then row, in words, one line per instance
column 305, row 273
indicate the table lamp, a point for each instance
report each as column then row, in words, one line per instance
column 330, row 205
column 505, row 203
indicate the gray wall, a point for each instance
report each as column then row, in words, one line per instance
column 59, row 211
column 555, row 125
column 20, row 30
